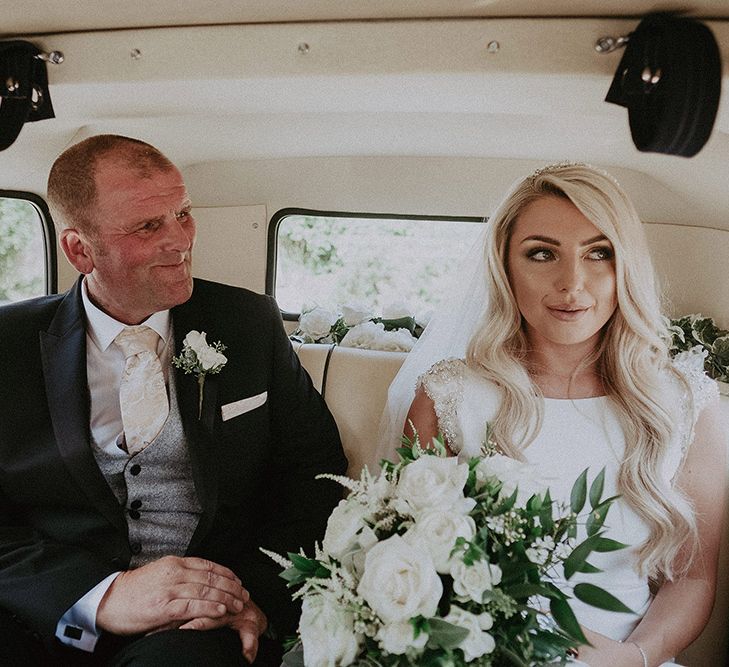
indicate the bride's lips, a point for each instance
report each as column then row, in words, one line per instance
column 568, row 313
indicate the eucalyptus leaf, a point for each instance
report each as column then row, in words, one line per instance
column 512, row 657
column 579, row 492
column 565, row 618
column 596, row 488
column 523, row 591
column 303, row 563
column 574, row 562
column 546, row 514
column 508, row 503
column 596, row 519
column 589, row 568
column 444, row 634
column 600, row 598
column 603, row 544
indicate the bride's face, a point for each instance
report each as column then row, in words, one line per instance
column 562, row 272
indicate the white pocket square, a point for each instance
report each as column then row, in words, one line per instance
column 244, row 405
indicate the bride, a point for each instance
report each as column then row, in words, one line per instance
column 558, row 344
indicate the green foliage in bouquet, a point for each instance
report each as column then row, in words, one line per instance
column 691, row 331
column 437, row 563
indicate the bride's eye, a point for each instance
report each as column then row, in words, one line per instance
column 540, row 254
column 601, row 253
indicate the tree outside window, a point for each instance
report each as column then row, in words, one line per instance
column 22, row 252
column 373, row 261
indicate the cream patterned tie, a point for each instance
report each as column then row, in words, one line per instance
column 142, row 393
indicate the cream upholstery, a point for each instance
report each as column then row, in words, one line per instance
column 354, row 384
column 355, row 391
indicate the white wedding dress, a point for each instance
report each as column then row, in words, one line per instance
column 575, row 434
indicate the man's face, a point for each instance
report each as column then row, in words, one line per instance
column 141, row 252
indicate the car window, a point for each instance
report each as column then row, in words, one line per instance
column 27, row 248
column 376, row 261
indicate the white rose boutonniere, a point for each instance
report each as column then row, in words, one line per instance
column 201, row 358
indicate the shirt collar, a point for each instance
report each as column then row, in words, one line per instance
column 103, row 328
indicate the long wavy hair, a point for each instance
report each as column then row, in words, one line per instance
column 631, row 358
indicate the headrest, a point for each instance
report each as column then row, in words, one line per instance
column 23, row 89
column 669, row 78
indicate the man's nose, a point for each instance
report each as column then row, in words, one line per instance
column 181, row 236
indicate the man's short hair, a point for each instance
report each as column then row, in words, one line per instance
column 72, row 180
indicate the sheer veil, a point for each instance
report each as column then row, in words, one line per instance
column 446, row 336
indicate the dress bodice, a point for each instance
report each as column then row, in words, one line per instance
column 574, row 435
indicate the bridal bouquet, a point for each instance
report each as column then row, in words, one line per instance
column 436, row 562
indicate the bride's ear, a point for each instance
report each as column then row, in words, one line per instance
column 77, row 250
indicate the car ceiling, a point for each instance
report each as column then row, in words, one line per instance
column 218, row 82
column 41, row 16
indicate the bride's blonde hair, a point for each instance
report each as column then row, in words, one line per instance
column 632, row 357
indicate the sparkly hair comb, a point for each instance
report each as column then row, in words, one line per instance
column 557, row 167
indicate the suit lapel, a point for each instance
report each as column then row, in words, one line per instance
column 198, row 430
column 63, row 352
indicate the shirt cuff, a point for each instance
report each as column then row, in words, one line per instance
column 77, row 626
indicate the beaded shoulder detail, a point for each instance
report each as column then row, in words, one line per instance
column 702, row 391
column 443, row 383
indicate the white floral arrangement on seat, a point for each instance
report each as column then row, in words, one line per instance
column 697, row 334
column 437, row 562
column 356, row 326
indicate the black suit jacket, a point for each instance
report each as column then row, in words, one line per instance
column 61, row 528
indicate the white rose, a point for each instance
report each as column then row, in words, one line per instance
column 485, row 620
column 394, row 311
column 317, row 322
column 362, row 335
column 398, row 638
column 433, row 482
column 196, row 341
column 478, row 642
column 355, row 314
column 400, row 582
column 210, row 359
column 327, row 633
column 436, row 531
column 512, row 474
column 400, row 340
column 372, row 336
column 343, row 525
column 472, row 581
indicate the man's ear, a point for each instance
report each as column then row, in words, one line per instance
column 77, row 250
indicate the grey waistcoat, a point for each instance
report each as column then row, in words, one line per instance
column 156, row 489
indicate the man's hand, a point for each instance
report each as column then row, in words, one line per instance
column 250, row 624
column 168, row 592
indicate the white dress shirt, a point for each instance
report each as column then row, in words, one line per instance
column 104, row 367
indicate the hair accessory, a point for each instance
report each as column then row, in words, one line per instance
column 554, row 168
column 557, row 167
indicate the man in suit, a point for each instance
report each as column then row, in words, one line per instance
column 112, row 553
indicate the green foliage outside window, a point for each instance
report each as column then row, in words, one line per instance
column 376, row 262
column 22, row 255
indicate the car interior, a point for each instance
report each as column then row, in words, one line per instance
column 417, row 109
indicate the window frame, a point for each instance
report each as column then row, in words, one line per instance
column 49, row 234
column 278, row 216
